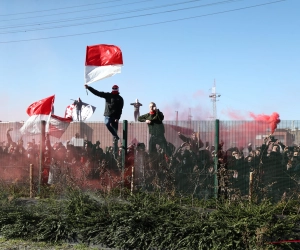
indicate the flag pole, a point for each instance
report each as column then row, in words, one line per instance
column 86, row 89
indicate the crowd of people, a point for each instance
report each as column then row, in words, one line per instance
column 190, row 168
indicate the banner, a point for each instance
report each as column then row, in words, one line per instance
column 38, row 111
column 87, row 111
column 102, row 61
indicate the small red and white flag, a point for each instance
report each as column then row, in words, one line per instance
column 58, row 125
column 38, row 111
column 70, row 109
column 102, row 61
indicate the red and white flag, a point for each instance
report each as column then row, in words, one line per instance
column 38, row 111
column 70, row 109
column 58, row 125
column 102, row 61
column 87, row 111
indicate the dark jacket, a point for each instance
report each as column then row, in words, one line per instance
column 113, row 103
column 156, row 127
column 272, row 164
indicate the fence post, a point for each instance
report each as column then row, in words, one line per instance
column 132, row 180
column 30, row 181
column 250, row 186
column 42, row 149
column 216, row 184
column 124, row 148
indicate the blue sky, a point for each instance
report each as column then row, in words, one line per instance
column 171, row 58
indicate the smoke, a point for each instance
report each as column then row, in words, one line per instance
column 188, row 107
column 242, row 131
column 242, row 128
column 234, row 115
column 273, row 119
column 200, row 93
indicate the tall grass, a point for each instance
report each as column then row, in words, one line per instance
column 147, row 220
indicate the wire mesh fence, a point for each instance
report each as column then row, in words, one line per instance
column 249, row 159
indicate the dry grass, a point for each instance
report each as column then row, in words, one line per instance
column 29, row 245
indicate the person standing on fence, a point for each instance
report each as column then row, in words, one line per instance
column 78, row 106
column 136, row 106
column 154, row 119
column 113, row 108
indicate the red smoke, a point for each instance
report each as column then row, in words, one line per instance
column 233, row 114
column 273, row 119
column 244, row 130
column 245, row 125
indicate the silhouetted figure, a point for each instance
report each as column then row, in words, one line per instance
column 78, row 106
column 136, row 106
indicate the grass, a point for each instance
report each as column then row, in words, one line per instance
column 30, row 245
column 142, row 221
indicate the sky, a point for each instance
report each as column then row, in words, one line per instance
column 174, row 52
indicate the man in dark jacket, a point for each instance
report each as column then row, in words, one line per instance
column 113, row 108
column 156, row 128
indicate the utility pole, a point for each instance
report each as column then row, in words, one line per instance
column 190, row 118
column 176, row 118
column 214, row 100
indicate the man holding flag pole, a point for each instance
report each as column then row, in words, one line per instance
column 103, row 61
column 113, row 108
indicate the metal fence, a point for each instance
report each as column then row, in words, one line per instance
column 205, row 159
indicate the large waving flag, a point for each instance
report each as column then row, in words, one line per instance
column 102, row 61
column 87, row 111
column 58, row 125
column 38, row 111
column 69, row 111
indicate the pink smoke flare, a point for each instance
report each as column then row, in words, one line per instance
column 272, row 119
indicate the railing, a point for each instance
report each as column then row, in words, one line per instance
column 235, row 159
